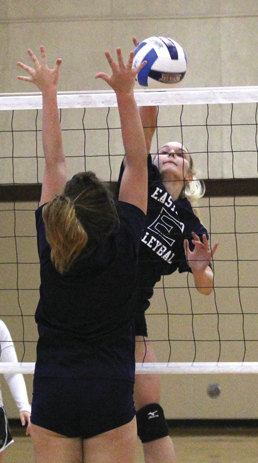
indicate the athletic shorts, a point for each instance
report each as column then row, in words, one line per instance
column 5, row 434
column 81, row 407
column 140, row 325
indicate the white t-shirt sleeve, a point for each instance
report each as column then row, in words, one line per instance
column 15, row 381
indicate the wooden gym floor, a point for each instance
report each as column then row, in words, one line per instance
column 201, row 442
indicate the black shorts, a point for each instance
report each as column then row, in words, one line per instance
column 5, row 434
column 81, row 407
column 140, row 324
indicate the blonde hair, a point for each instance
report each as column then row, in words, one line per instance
column 64, row 232
column 84, row 215
column 193, row 189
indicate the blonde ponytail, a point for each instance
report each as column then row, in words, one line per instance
column 193, row 191
column 64, row 232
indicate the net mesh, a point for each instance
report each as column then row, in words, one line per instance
column 191, row 333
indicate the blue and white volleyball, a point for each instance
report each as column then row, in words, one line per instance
column 166, row 62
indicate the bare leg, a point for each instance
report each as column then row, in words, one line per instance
column 116, row 446
column 50, row 447
column 148, row 390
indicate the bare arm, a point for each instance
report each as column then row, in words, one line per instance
column 46, row 80
column 133, row 187
column 148, row 115
column 198, row 260
column 204, row 281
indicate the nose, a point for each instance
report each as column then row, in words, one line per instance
column 172, row 153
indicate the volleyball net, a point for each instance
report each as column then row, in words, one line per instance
column 191, row 333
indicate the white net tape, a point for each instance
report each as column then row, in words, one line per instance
column 159, row 368
column 188, row 96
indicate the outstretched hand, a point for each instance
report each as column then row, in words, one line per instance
column 122, row 79
column 41, row 75
column 200, row 257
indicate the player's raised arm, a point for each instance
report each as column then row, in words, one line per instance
column 148, row 115
column 46, row 80
column 133, row 187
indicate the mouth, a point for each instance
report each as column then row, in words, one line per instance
column 170, row 162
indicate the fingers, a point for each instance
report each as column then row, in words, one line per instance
column 109, row 58
column 26, row 68
column 40, row 72
column 186, row 247
column 120, row 60
column 119, row 56
column 44, row 56
column 214, row 249
column 111, row 62
column 29, row 69
column 130, row 63
column 130, row 60
column 58, row 62
column 32, row 56
column 23, row 66
column 196, row 237
column 197, row 241
column 35, row 59
column 102, row 75
column 204, row 243
column 123, row 75
column 43, row 52
column 135, row 41
column 141, row 66
column 114, row 66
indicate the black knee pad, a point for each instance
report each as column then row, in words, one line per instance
column 151, row 423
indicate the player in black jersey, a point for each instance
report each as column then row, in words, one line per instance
column 83, row 407
column 173, row 239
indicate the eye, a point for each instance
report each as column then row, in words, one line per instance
column 181, row 154
column 163, row 152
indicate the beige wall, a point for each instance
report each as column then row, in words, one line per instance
column 219, row 37
column 221, row 40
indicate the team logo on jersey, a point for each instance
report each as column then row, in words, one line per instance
column 158, row 235
column 164, row 225
column 164, row 197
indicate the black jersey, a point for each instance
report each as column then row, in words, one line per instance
column 85, row 316
column 167, row 224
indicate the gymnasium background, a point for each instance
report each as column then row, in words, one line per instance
column 221, row 41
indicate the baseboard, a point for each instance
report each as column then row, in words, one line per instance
column 213, row 426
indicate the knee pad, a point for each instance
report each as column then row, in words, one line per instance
column 151, row 423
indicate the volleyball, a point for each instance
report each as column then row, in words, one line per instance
column 166, row 62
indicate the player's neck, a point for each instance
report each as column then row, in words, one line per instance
column 174, row 188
